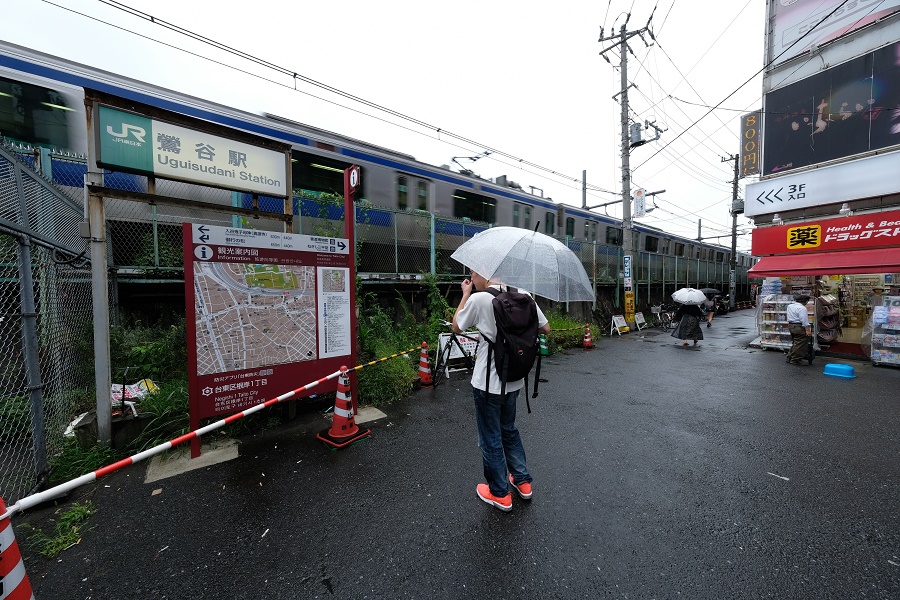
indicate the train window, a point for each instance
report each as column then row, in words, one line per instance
column 679, row 249
column 474, row 206
column 402, row 193
column 665, row 248
column 550, row 223
column 587, row 230
column 614, row 236
column 319, row 174
column 527, row 217
column 33, row 114
column 720, row 256
column 570, row 227
column 593, row 232
column 423, row 195
column 515, row 214
column 651, row 244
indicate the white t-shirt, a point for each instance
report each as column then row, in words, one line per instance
column 479, row 312
column 796, row 313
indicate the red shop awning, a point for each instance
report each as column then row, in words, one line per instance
column 847, row 262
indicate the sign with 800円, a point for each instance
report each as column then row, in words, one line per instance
column 750, row 144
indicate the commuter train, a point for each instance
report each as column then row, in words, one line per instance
column 42, row 104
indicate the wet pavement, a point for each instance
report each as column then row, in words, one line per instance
column 660, row 472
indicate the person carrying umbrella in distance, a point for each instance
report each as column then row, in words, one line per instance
column 709, row 304
column 688, row 315
column 501, row 257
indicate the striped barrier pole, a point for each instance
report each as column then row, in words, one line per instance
column 64, row 488
column 14, row 584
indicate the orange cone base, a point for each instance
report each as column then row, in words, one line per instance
column 343, row 441
column 430, row 384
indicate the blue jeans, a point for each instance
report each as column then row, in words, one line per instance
column 501, row 445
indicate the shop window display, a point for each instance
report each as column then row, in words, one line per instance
column 771, row 319
column 883, row 332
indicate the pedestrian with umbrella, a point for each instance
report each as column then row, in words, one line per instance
column 709, row 303
column 688, row 315
column 499, row 258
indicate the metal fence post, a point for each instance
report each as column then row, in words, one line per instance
column 96, row 217
column 433, row 244
column 32, row 356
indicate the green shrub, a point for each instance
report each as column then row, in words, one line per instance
column 15, row 417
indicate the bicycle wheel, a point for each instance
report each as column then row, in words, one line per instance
column 440, row 366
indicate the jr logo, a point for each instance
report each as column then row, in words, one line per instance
column 136, row 132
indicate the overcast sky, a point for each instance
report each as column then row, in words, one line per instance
column 523, row 77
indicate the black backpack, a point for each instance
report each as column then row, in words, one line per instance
column 517, row 344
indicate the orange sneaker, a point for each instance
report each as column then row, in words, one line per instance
column 484, row 492
column 524, row 488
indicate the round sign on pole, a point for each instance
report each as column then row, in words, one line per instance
column 354, row 178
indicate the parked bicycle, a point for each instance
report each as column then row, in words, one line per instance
column 664, row 316
column 446, row 354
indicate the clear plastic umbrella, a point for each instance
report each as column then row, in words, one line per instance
column 689, row 295
column 529, row 260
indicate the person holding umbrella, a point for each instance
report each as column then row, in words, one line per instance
column 709, row 306
column 688, row 315
column 502, row 452
column 500, row 257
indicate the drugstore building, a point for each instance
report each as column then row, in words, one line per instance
column 847, row 264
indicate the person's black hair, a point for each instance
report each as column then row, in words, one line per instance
column 802, row 298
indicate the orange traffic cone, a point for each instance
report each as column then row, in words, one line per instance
column 424, row 370
column 588, row 344
column 14, row 584
column 343, row 430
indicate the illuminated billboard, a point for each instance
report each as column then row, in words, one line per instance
column 848, row 109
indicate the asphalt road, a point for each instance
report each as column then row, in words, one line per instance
column 660, row 472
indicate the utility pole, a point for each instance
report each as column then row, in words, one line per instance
column 627, row 237
column 732, row 292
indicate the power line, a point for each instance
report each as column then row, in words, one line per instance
column 295, row 76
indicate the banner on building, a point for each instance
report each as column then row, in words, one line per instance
column 872, row 230
column 864, row 178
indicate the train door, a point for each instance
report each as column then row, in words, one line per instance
column 412, row 192
column 521, row 215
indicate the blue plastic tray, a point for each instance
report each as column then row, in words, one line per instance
column 839, row 370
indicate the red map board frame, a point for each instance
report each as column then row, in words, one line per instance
column 221, row 393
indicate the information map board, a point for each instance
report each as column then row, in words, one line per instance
column 267, row 312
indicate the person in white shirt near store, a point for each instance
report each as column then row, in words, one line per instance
column 877, row 298
column 798, row 320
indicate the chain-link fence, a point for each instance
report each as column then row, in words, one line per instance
column 46, row 340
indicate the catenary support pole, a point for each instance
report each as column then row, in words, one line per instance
column 732, row 291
